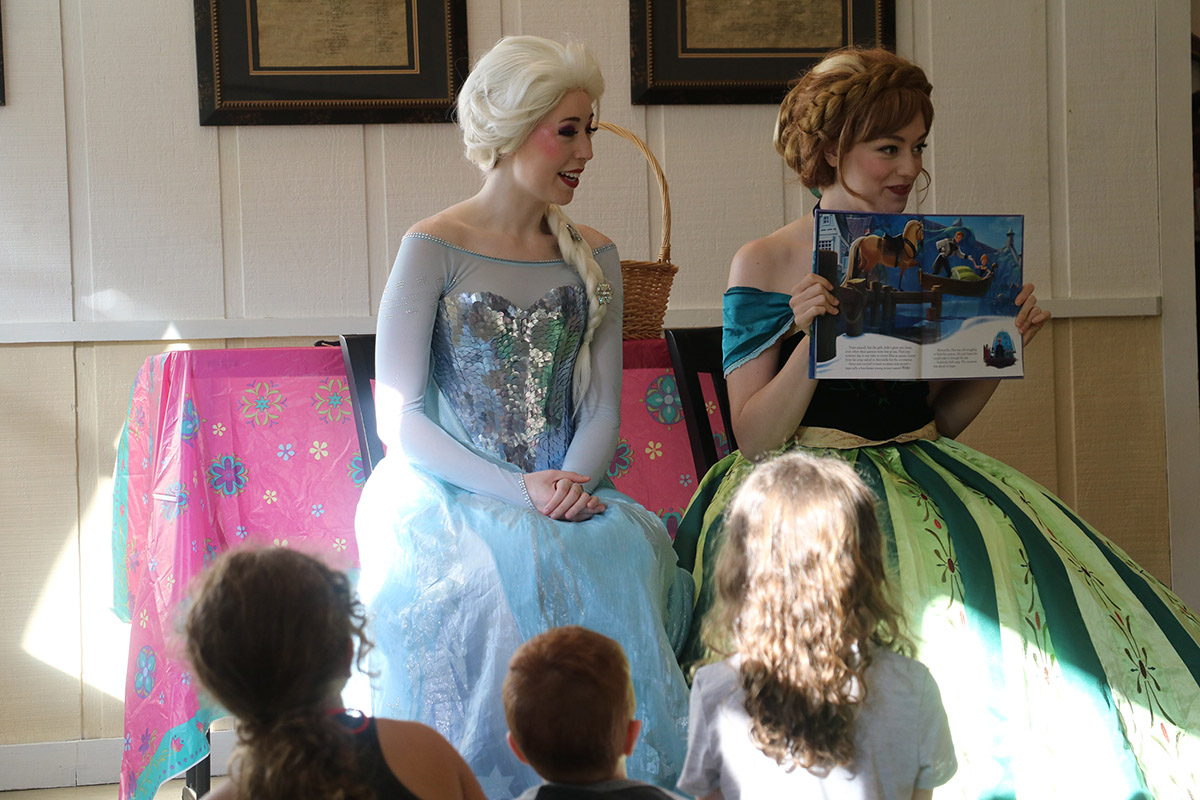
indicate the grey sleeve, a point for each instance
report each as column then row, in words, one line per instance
column 701, row 771
column 937, row 761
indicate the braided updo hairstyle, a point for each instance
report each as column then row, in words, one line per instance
column 853, row 95
column 511, row 89
column 270, row 636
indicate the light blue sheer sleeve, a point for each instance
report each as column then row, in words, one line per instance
column 423, row 270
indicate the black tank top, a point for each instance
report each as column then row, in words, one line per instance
column 371, row 765
column 560, row 791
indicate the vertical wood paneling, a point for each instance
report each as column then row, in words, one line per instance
column 1182, row 406
column 35, row 253
column 375, row 175
column 726, row 189
column 988, row 151
column 1110, row 151
column 1120, row 434
column 39, row 555
column 149, row 171
column 416, row 187
column 231, row 222
column 484, row 26
column 303, row 220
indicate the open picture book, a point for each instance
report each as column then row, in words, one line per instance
column 921, row 296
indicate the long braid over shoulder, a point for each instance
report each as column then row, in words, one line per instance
column 576, row 252
column 851, row 96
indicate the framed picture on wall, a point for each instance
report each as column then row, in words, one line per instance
column 282, row 62
column 1, row 57
column 716, row 51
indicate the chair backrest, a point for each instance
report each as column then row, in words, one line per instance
column 358, row 354
column 696, row 351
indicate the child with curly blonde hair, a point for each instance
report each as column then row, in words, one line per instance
column 816, row 694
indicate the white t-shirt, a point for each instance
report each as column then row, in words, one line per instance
column 902, row 740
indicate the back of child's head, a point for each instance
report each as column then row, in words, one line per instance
column 568, row 698
column 801, row 596
column 270, row 636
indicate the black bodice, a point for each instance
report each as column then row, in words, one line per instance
column 874, row 410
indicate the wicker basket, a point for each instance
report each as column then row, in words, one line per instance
column 647, row 284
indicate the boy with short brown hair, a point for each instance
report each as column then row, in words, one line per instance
column 569, row 701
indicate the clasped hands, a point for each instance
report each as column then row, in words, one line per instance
column 560, row 495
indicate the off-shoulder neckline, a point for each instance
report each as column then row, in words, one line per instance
column 451, row 246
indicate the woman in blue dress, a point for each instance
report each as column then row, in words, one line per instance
column 498, row 376
column 1066, row 670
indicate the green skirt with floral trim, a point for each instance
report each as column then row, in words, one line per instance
column 1066, row 670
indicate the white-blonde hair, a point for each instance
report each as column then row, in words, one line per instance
column 511, row 89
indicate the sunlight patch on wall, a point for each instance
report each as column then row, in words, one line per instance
column 72, row 627
column 52, row 632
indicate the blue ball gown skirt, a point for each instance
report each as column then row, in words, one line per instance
column 456, row 581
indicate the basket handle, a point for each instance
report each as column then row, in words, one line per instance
column 664, row 253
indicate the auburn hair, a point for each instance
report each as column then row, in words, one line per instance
column 852, row 95
column 568, row 699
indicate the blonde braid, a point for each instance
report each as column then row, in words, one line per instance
column 576, row 252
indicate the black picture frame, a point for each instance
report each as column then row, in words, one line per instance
column 1, row 55
column 235, row 88
column 666, row 69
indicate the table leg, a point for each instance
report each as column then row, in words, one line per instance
column 197, row 780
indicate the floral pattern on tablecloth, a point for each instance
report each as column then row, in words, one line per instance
column 653, row 460
column 221, row 449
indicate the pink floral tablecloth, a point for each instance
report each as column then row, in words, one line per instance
column 653, row 463
column 221, row 448
column 224, row 448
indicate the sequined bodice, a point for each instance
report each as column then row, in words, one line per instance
column 506, row 371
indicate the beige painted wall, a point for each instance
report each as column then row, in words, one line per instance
column 116, row 206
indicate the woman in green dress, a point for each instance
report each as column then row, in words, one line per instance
column 1066, row 669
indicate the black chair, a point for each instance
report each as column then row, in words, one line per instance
column 358, row 354
column 695, row 351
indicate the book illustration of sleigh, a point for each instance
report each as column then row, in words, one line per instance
column 972, row 288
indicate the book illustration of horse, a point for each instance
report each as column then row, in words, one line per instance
column 869, row 254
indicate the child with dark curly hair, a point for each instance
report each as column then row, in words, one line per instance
column 271, row 635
